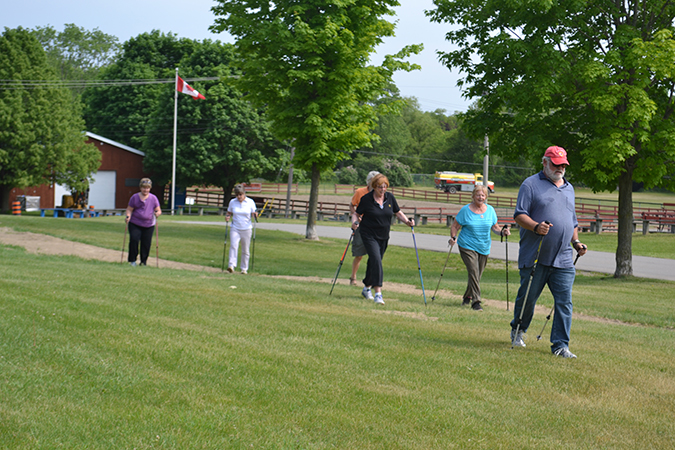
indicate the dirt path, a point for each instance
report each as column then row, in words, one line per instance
column 49, row 245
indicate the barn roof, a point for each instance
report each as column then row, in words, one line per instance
column 114, row 143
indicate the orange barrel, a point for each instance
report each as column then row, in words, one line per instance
column 16, row 208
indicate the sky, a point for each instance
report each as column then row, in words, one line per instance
column 434, row 86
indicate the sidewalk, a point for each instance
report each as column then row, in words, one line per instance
column 643, row 267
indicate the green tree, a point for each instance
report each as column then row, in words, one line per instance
column 221, row 141
column 595, row 77
column 307, row 62
column 121, row 112
column 427, row 137
column 41, row 130
column 78, row 55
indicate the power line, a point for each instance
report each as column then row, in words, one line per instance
column 36, row 84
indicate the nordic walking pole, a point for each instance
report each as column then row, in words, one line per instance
column 341, row 261
column 433, row 297
column 253, row 249
column 553, row 307
column 157, row 241
column 527, row 291
column 506, row 260
column 124, row 241
column 222, row 267
column 412, row 229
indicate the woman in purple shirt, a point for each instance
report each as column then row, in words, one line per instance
column 141, row 217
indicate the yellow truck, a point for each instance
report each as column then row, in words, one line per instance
column 452, row 182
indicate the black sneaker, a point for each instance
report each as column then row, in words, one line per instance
column 466, row 301
column 476, row 306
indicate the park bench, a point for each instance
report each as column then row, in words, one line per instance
column 69, row 213
column 662, row 219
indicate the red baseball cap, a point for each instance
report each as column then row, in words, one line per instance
column 557, row 154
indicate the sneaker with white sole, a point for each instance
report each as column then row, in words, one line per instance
column 367, row 294
column 378, row 299
column 230, row 269
column 564, row 352
column 517, row 341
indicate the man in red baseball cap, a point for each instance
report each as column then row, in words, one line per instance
column 558, row 155
column 548, row 238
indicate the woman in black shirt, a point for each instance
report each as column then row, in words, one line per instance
column 373, row 219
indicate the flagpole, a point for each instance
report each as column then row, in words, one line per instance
column 175, row 126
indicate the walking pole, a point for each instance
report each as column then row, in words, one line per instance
column 553, row 307
column 506, row 260
column 253, row 249
column 124, row 241
column 433, row 297
column 527, row 291
column 341, row 261
column 157, row 241
column 222, row 267
column 412, row 229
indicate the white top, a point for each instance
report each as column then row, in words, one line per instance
column 241, row 213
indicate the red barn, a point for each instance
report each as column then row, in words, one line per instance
column 115, row 181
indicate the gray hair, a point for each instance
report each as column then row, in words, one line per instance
column 371, row 175
column 239, row 189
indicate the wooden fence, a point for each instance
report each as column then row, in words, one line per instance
column 593, row 215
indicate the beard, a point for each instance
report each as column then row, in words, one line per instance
column 552, row 174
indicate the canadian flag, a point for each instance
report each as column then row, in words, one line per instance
column 185, row 88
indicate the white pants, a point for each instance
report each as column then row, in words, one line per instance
column 245, row 237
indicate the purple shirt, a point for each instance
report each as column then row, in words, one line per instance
column 143, row 214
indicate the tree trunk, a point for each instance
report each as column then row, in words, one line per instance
column 227, row 194
column 313, row 203
column 624, row 253
column 4, row 198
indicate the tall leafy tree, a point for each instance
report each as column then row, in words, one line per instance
column 594, row 76
column 77, row 54
column 222, row 140
column 121, row 112
column 41, row 130
column 307, row 62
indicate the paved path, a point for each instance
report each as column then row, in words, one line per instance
column 644, row 267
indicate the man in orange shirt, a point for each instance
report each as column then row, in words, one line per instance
column 358, row 250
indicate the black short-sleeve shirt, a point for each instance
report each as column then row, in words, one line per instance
column 376, row 221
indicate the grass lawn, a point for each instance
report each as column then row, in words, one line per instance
column 105, row 356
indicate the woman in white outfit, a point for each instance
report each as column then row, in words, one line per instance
column 240, row 209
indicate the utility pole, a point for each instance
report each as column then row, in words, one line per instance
column 290, row 184
column 486, row 160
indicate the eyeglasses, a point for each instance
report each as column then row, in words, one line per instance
column 563, row 165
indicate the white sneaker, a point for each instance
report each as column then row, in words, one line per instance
column 378, row 299
column 367, row 294
column 230, row 269
column 564, row 352
column 517, row 341
column 132, row 264
column 243, row 271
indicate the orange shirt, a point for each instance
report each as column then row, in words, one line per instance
column 360, row 192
